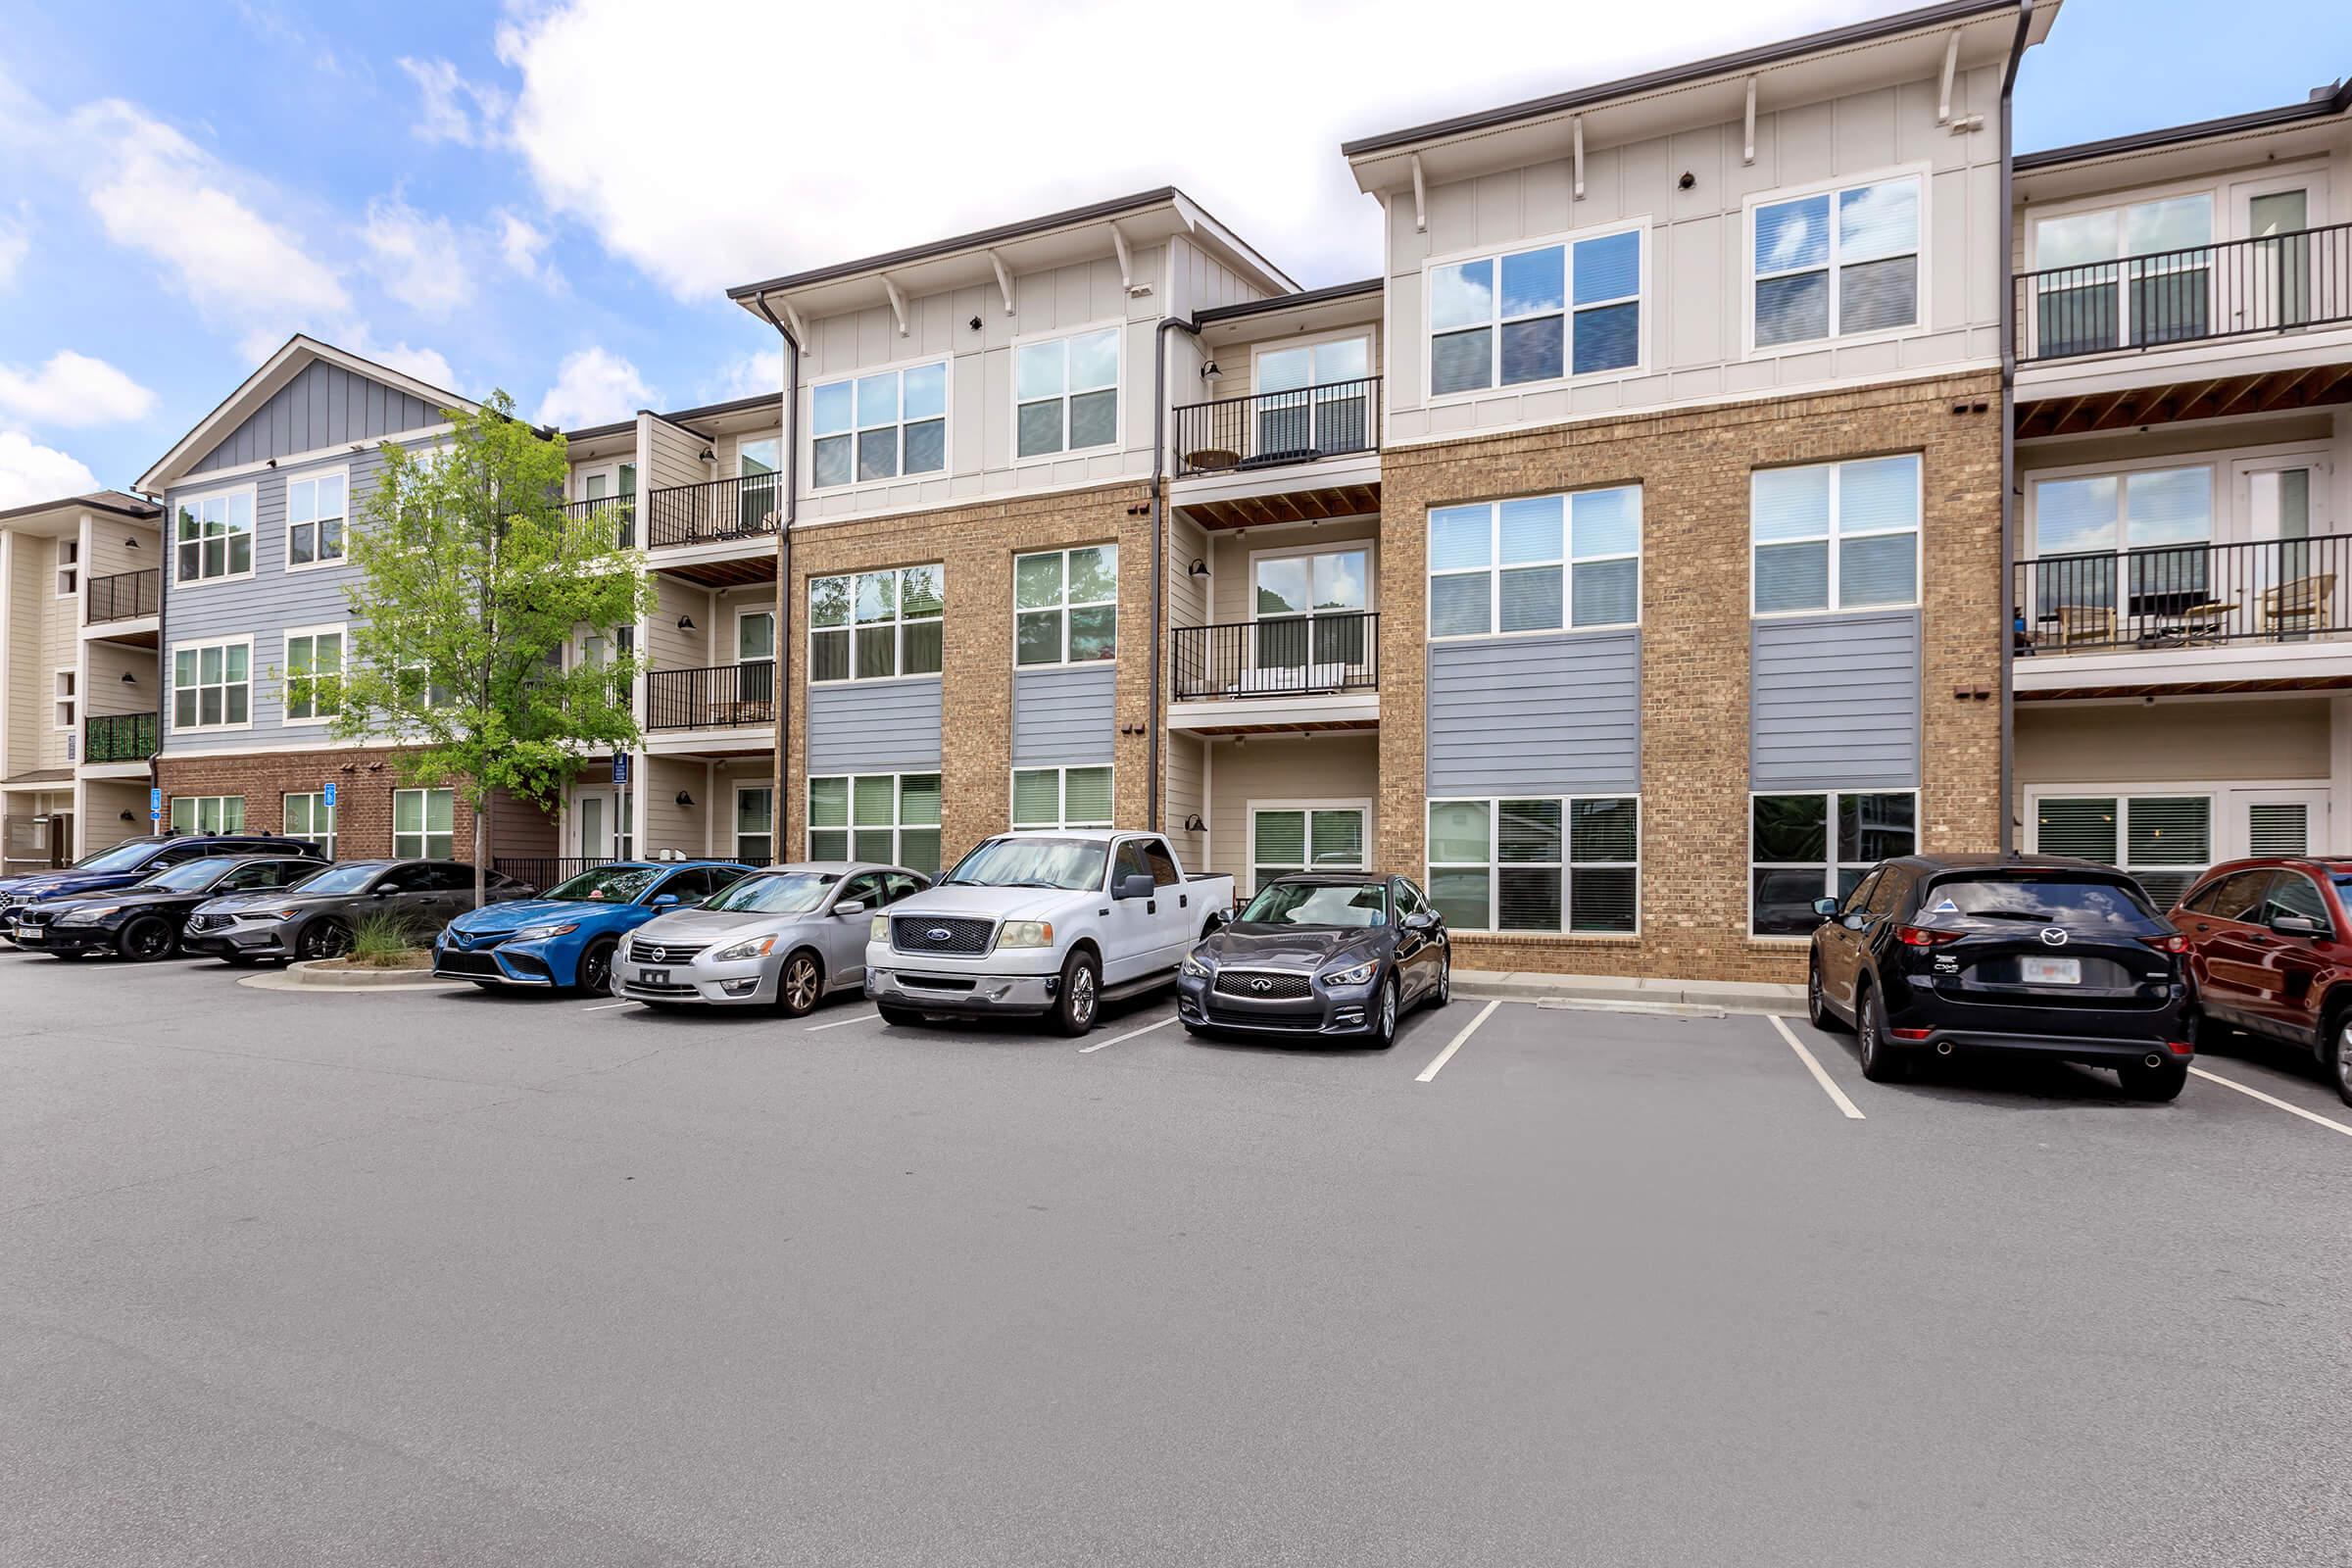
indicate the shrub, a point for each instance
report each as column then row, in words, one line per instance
column 381, row 941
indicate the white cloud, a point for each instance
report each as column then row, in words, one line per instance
column 818, row 170
column 520, row 244
column 593, row 386
column 451, row 108
column 31, row 473
column 752, row 375
column 425, row 365
column 417, row 257
column 72, row 389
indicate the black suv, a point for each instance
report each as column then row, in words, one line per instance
column 1980, row 953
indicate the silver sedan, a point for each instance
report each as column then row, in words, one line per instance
column 780, row 938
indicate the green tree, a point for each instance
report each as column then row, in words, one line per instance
column 470, row 585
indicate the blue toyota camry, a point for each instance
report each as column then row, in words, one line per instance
column 568, row 938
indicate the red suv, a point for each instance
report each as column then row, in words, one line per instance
column 2270, row 951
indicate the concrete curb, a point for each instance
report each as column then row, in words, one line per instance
column 308, row 976
column 1629, row 994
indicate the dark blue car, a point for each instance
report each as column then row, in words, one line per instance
column 568, row 938
column 133, row 861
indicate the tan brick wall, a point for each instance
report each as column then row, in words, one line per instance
column 977, row 544
column 363, row 799
column 1693, row 468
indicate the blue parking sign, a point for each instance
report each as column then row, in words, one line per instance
column 155, row 805
column 329, row 792
column 620, row 767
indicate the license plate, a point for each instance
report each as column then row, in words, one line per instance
column 653, row 977
column 27, row 931
column 2053, row 972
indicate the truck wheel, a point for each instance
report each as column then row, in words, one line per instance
column 1079, row 995
column 902, row 1018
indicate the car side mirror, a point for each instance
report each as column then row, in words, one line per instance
column 1420, row 920
column 380, row 891
column 2296, row 925
column 850, row 906
column 664, row 901
column 1827, row 908
column 1134, row 885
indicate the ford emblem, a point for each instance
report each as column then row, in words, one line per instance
column 1261, row 984
column 2053, row 935
column 940, row 933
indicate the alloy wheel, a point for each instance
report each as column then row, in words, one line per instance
column 596, row 968
column 800, row 983
column 327, row 939
column 147, row 939
column 1081, row 996
column 1446, row 979
column 1388, row 1012
column 2344, row 1061
column 1868, row 1046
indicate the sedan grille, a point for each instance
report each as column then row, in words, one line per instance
column 944, row 935
column 471, row 963
column 664, row 951
column 211, row 922
column 1263, row 984
column 1265, row 1020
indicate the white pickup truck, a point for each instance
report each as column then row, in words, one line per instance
column 1047, row 922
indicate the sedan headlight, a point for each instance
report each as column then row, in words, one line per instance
column 540, row 933
column 878, row 929
column 1356, row 974
column 274, row 914
column 88, row 916
column 1195, row 967
column 756, row 947
column 1026, row 934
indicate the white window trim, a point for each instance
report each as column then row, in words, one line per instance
column 899, row 367
column 1361, row 807
column 70, row 698
column 1063, row 608
column 285, row 704
column 898, row 828
column 734, row 828
column 2220, row 824
column 286, row 522
column 1567, row 562
column 896, row 623
column 1315, row 340
column 1567, row 238
column 1836, row 534
column 171, row 577
column 1320, row 547
column 1830, row 875
column 1494, row 864
column 1012, row 369
column 609, row 470
column 424, row 851
column 1778, row 195
column 2224, row 188
column 1062, row 794
column 198, row 801
column 61, row 568
column 744, row 613
column 319, row 799
column 172, row 689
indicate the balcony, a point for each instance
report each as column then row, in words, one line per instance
column 121, row 737
column 718, row 697
column 2202, row 294
column 610, row 520
column 123, row 596
column 1276, row 430
column 716, row 510
column 1298, row 671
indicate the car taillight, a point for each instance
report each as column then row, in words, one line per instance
column 2180, row 1047
column 1921, row 936
column 2175, row 943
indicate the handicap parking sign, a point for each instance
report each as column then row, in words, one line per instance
column 330, row 793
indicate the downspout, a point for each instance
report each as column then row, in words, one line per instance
column 2008, row 409
column 1159, row 557
column 780, row 825
column 163, row 658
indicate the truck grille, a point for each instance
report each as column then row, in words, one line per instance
column 943, row 936
column 1263, row 984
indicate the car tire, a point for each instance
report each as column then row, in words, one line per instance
column 902, row 1017
column 2339, row 1057
column 323, row 938
column 592, row 976
column 1882, row 1061
column 1817, row 1004
column 1384, row 1027
column 146, row 938
column 2210, row 1035
column 1443, row 992
column 2162, row 1082
column 1079, row 997
column 800, row 985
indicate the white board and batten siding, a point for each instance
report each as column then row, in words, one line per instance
column 881, row 726
column 1833, row 702
column 1535, row 716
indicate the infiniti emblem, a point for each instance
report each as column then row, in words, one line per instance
column 940, row 933
column 1261, row 985
column 2053, row 935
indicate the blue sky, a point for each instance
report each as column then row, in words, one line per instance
column 552, row 197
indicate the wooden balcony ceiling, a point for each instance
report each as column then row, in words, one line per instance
column 725, row 574
column 2155, row 686
column 1242, row 726
column 1294, row 506
column 2204, row 398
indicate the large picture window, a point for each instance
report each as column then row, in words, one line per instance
column 208, row 814
column 1805, row 847
column 1838, row 264
column 212, row 685
column 1539, row 864
column 214, row 537
column 1573, row 309
column 1284, row 839
column 1066, row 394
column 423, row 825
column 892, row 818
column 2164, row 841
column 1066, row 606
column 313, row 685
column 879, row 426
column 2147, row 531
column 310, row 819
column 1836, row 535
column 870, row 626
column 1539, row 564
column 2138, row 275
column 1061, row 797
column 316, row 509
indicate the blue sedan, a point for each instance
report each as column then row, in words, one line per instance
column 568, row 938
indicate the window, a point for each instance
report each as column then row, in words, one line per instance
column 310, row 819
column 315, row 519
column 2132, row 274
column 214, row 537
column 2148, row 530
column 62, row 688
column 212, row 685
column 1547, row 865
column 889, row 817
column 1535, row 564
column 1066, row 393
column 1066, row 606
column 208, row 814
column 1536, row 314
column 879, row 426
column 69, row 567
column 1794, row 858
column 1308, row 610
column 1834, row 537
column 313, row 675
column 1313, row 398
column 1061, row 797
column 2164, row 841
column 876, row 624
column 755, row 824
column 423, row 825
column 1838, row 264
column 1287, row 839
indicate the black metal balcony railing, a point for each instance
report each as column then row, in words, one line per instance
column 124, row 596
column 2185, row 596
column 613, row 519
column 545, row 871
column 715, row 509
column 121, row 737
column 2233, row 288
column 1296, row 656
column 719, row 697
column 1272, row 429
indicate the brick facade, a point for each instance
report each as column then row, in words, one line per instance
column 363, row 782
column 1693, row 467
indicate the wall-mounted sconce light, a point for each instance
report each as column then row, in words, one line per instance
column 271, row 463
column 685, row 623
column 976, row 324
column 1211, row 373
column 1198, row 568
column 1194, row 824
column 126, row 818
column 685, row 798
column 709, row 456
column 132, row 543
column 128, row 679
column 1687, row 180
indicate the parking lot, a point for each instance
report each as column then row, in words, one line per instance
column 442, row 1276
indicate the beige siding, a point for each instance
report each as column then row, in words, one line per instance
column 668, row 647
column 668, row 825
column 1236, row 363
column 109, row 551
column 1267, row 769
column 28, row 682
column 109, row 692
column 1188, row 595
column 1186, row 776
column 673, row 456
column 104, row 801
column 61, row 632
column 2284, row 738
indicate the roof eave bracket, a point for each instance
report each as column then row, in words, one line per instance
column 1951, row 67
column 1577, row 128
column 1420, row 199
column 1004, row 280
column 1748, row 153
column 1119, row 242
column 897, row 302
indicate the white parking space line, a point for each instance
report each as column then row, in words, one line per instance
column 1129, row 1035
column 862, row 1017
column 1455, row 1044
column 2256, row 1093
column 607, row 1007
column 1853, row 1112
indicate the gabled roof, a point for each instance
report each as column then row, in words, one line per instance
column 257, row 389
column 114, row 501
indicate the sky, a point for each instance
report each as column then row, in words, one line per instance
column 550, row 197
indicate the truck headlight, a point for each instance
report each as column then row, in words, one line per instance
column 540, row 933
column 1195, row 967
column 754, row 948
column 1356, row 974
column 878, row 929
column 1026, row 934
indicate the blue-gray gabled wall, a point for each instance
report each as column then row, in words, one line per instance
column 879, row 727
column 1535, row 716
column 324, row 406
column 1833, row 702
column 1063, row 718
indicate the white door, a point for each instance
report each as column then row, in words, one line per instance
column 2292, row 579
column 755, row 464
column 593, row 813
column 2274, row 279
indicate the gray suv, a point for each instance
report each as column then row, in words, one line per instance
column 315, row 917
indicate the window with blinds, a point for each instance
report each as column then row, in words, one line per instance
column 2164, row 841
column 2278, row 829
column 890, row 818
column 1060, row 797
column 1305, row 838
column 1545, row 865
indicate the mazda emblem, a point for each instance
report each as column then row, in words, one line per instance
column 940, row 933
column 2052, row 936
column 1261, row 985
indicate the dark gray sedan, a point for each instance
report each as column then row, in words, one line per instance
column 315, row 917
column 1322, row 955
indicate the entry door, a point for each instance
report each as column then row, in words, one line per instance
column 2275, row 279
column 61, row 838
column 755, row 464
column 755, row 654
column 595, row 812
column 2296, row 582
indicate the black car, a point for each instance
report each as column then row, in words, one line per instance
column 145, row 921
column 1336, row 955
column 132, row 861
column 319, row 918
column 1967, row 953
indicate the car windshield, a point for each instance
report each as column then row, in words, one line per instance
column 121, row 858
column 341, row 878
column 1340, row 903
column 608, row 884
column 191, row 876
column 2072, row 901
column 1074, row 865
column 787, row 893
